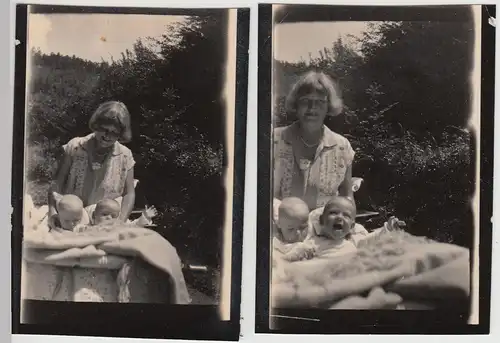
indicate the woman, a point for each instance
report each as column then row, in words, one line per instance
column 312, row 162
column 98, row 166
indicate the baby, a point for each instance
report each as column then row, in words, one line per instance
column 337, row 232
column 107, row 210
column 70, row 212
column 290, row 223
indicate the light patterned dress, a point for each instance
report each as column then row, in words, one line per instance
column 107, row 182
column 314, row 181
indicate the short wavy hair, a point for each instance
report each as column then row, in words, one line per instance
column 113, row 113
column 315, row 81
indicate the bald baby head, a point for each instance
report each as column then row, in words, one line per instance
column 294, row 207
column 106, row 210
column 293, row 214
column 70, row 211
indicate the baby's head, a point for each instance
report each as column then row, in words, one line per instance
column 70, row 211
column 106, row 210
column 293, row 214
column 338, row 218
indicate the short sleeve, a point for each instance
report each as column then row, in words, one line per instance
column 72, row 146
column 349, row 152
column 129, row 160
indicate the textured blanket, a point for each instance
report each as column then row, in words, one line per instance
column 406, row 266
column 126, row 263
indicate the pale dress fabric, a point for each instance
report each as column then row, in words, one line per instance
column 90, row 185
column 325, row 173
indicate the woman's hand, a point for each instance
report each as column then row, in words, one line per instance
column 60, row 177
column 52, row 220
column 302, row 251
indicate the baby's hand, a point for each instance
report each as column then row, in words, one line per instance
column 300, row 252
column 52, row 221
column 394, row 224
column 150, row 212
column 80, row 228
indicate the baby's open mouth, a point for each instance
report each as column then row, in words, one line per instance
column 337, row 226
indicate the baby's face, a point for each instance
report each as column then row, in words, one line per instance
column 105, row 215
column 70, row 218
column 338, row 218
column 292, row 229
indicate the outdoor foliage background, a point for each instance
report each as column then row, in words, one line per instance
column 172, row 87
column 407, row 101
column 407, row 98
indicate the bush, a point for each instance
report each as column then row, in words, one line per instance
column 41, row 161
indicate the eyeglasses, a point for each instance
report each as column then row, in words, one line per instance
column 108, row 132
column 312, row 103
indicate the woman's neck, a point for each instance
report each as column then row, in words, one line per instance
column 311, row 135
column 100, row 149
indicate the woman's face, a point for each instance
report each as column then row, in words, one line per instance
column 107, row 135
column 312, row 109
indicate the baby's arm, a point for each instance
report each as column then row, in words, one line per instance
column 359, row 233
column 80, row 228
column 146, row 217
column 301, row 251
column 141, row 221
column 392, row 224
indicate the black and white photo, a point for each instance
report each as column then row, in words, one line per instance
column 129, row 162
column 374, row 124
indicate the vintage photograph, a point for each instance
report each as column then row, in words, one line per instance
column 129, row 159
column 374, row 145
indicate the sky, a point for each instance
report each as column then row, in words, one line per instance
column 92, row 36
column 293, row 42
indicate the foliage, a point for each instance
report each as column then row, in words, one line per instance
column 171, row 87
column 406, row 93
